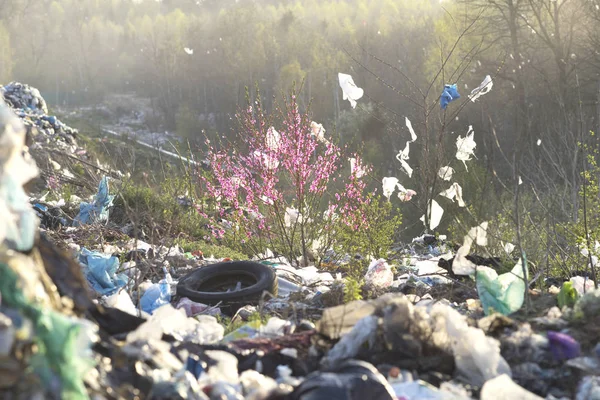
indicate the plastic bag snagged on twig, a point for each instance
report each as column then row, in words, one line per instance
column 350, row 91
column 97, row 211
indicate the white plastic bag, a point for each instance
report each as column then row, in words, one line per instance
column 379, row 274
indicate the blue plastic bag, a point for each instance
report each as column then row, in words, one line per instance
column 101, row 271
column 97, row 211
column 157, row 295
column 449, row 94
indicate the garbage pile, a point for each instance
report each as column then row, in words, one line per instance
column 122, row 318
column 30, row 106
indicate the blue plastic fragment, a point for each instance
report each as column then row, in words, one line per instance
column 97, row 211
column 100, row 271
column 449, row 94
column 40, row 207
column 195, row 365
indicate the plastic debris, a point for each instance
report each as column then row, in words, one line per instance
column 188, row 50
column 97, row 211
column 568, row 295
column 350, row 91
column 273, row 140
column 563, row 346
column 169, row 321
column 352, row 380
column 503, row 387
column 350, row 344
column 465, row 147
column 413, row 135
column 19, row 222
column 484, row 88
column 446, row 173
column 7, row 335
column 192, row 308
column 402, row 157
column 389, row 186
column 589, row 388
column 22, row 96
column 379, row 274
column 356, row 169
column 582, row 284
column 318, row 131
column 477, row 356
column 101, row 271
column 505, row 293
column 417, row 390
column 508, row 248
column 157, row 295
column 292, row 217
column 450, row 93
column 405, row 194
column 122, row 301
column 63, row 342
column 454, row 192
column 435, row 212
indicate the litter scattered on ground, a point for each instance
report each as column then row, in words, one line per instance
column 114, row 316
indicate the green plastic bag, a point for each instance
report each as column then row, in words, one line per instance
column 505, row 293
column 568, row 295
column 63, row 341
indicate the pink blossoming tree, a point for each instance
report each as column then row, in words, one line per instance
column 275, row 187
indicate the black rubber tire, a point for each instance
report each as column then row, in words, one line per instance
column 197, row 284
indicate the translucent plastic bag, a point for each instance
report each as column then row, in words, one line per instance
column 379, row 274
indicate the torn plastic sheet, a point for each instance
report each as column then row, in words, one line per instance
column 477, row 356
column 465, row 147
column 461, row 265
column 390, row 184
column 292, row 217
column 319, row 132
column 101, row 271
column 356, row 169
column 445, row 173
column 413, row 135
column 435, row 212
column 501, row 293
column 402, row 157
column 454, row 192
column 405, row 194
column 508, row 247
column 503, row 387
column 484, row 88
column 97, row 211
column 268, row 161
column 450, row 93
column 273, row 139
column 350, row 91
column 188, row 50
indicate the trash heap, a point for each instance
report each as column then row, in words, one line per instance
column 30, row 106
column 122, row 318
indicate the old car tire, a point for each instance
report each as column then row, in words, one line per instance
column 202, row 285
